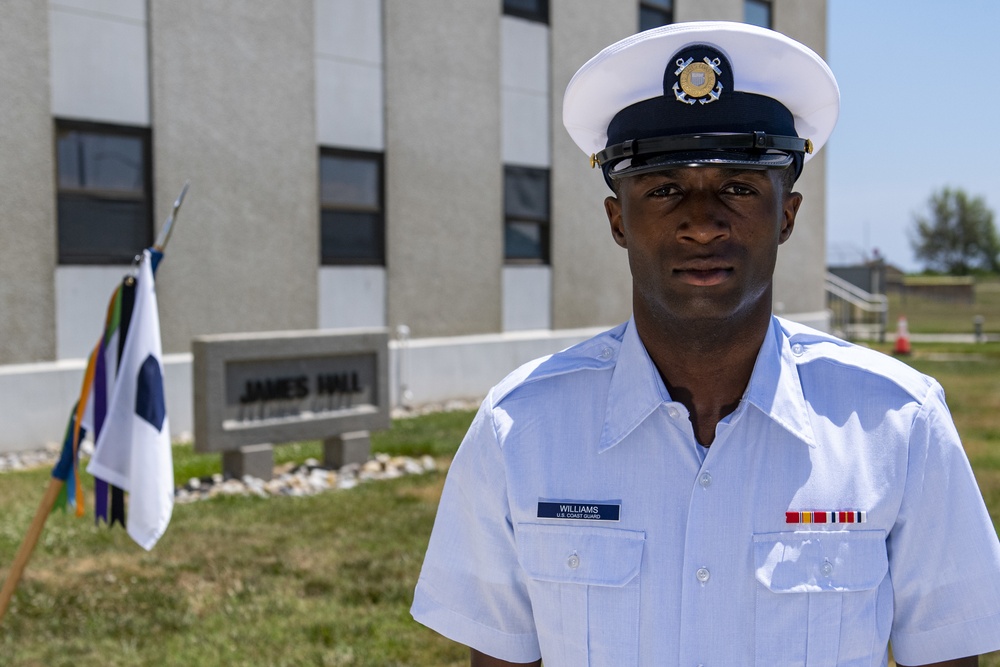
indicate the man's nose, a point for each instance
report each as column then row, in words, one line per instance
column 703, row 219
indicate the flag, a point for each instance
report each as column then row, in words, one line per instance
column 99, row 380
column 132, row 450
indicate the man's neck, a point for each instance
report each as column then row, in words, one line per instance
column 706, row 366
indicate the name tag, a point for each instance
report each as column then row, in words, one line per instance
column 604, row 510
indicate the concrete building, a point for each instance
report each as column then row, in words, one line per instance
column 353, row 163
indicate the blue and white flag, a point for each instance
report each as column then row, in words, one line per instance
column 132, row 451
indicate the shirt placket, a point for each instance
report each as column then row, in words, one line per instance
column 710, row 573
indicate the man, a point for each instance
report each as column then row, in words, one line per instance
column 707, row 484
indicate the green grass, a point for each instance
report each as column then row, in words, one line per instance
column 325, row 580
column 970, row 375
column 320, row 580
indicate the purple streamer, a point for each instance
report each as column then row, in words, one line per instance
column 100, row 411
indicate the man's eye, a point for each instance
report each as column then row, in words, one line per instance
column 664, row 191
column 737, row 189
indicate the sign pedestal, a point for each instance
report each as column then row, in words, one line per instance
column 346, row 448
column 254, row 460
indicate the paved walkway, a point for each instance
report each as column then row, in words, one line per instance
column 890, row 337
column 949, row 338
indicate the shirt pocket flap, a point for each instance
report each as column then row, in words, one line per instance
column 816, row 561
column 587, row 555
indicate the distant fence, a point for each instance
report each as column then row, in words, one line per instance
column 952, row 289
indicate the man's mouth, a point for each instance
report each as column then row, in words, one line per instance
column 703, row 274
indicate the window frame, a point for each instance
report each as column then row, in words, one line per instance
column 539, row 16
column 544, row 222
column 658, row 8
column 145, row 134
column 378, row 158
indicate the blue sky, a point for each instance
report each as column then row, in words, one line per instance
column 920, row 109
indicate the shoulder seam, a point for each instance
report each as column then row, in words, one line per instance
column 528, row 373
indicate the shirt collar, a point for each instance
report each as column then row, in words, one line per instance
column 775, row 388
column 637, row 389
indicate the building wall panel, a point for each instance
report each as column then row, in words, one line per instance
column 444, row 169
column 591, row 284
column 526, row 129
column 351, row 296
column 349, row 105
column 82, row 296
column 349, row 30
column 799, row 280
column 527, row 297
column 708, row 10
column 525, row 92
column 349, row 82
column 27, row 167
column 234, row 113
column 99, row 61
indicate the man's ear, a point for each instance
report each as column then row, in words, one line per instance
column 613, row 207
column 789, row 210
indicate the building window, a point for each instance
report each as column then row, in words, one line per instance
column 103, row 201
column 526, row 215
column 757, row 12
column 352, row 223
column 654, row 13
column 533, row 10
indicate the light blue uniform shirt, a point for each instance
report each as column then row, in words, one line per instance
column 701, row 566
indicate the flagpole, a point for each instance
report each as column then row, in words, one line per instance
column 30, row 541
column 168, row 227
column 28, row 545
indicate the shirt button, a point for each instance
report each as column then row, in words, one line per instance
column 703, row 575
column 606, row 353
column 826, row 568
column 673, row 412
column 705, row 480
column 573, row 562
column 797, row 349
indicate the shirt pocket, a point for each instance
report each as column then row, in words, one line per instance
column 584, row 585
column 808, row 582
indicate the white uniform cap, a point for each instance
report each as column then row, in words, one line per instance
column 701, row 93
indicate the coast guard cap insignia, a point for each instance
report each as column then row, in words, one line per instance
column 698, row 80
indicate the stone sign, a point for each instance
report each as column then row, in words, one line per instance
column 255, row 389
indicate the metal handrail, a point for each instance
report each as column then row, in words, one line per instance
column 854, row 311
column 853, row 293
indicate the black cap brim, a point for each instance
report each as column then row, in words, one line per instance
column 723, row 159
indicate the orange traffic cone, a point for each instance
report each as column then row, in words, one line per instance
column 902, row 337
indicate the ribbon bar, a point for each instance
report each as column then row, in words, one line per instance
column 827, row 516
